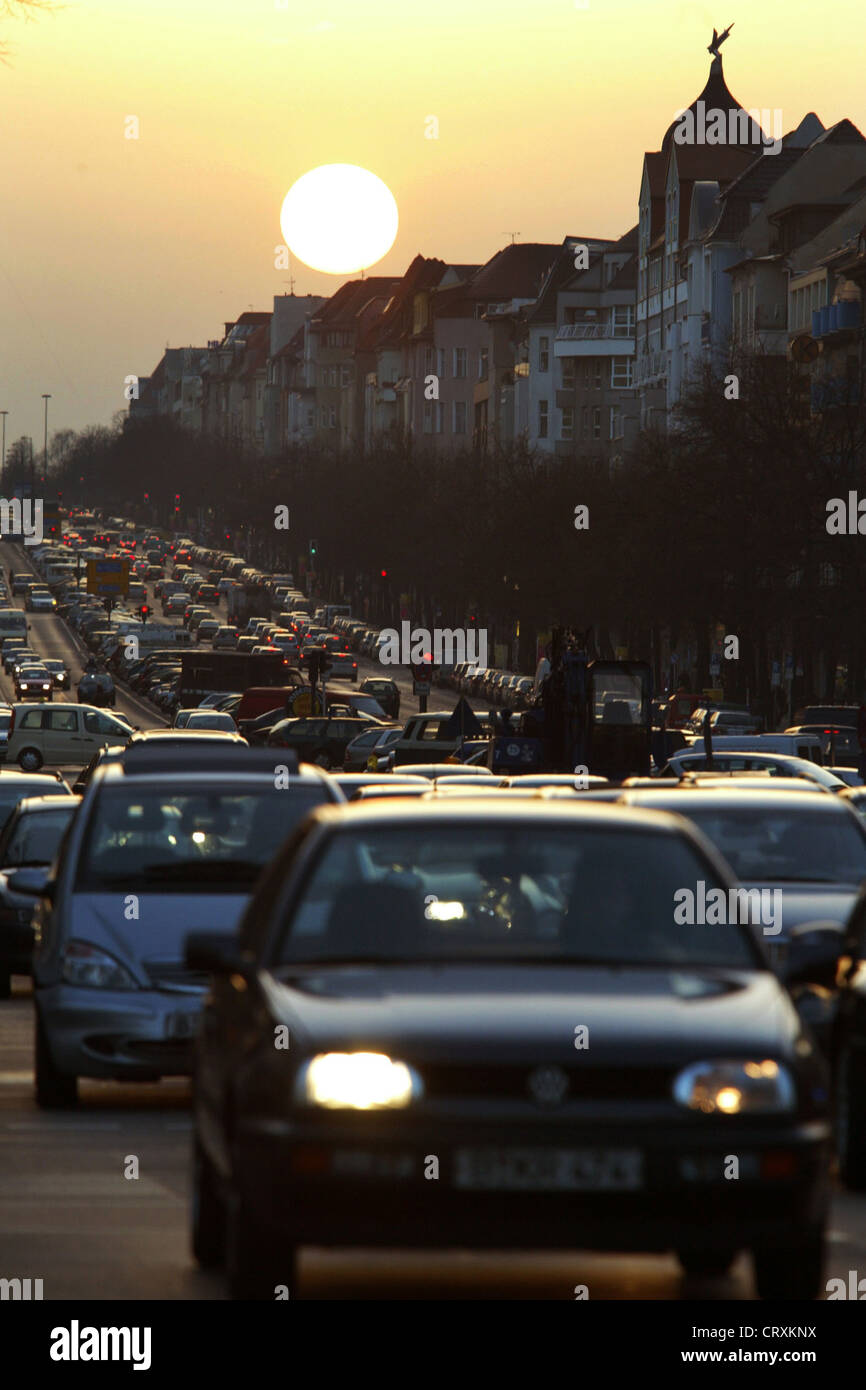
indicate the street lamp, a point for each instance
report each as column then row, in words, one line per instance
column 46, row 399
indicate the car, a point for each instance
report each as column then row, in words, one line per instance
column 207, row 629
column 40, row 600
column 59, row 672
column 33, row 682
column 804, row 854
column 187, row 831
column 175, row 603
column 31, row 836
column 573, row 1085
column 386, row 691
column 210, row 719
column 61, row 734
column 20, row 582
column 833, row 961
column 15, row 653
column 225, row 638
column 319, row 739
column 430, row 738
column 776, row 764
column 371, row 748
column 839, row 742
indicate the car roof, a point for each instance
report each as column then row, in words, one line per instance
column 727, row 797
column 35, row 805
column 484, row 810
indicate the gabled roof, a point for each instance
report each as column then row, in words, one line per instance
column 344, row 306
column 515, row 272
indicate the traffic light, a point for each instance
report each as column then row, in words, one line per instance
column 384, row 574
column 314, row 548
column 144, row 612
column 147, row 497
column 177, row 501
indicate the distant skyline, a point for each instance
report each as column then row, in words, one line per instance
column 114, row 248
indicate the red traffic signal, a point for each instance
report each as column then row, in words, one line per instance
column 384, row 574
column 144, row 612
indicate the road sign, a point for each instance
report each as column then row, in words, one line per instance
column 422, row 677
column 110, row 578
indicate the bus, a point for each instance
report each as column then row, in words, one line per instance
column 13, row 623
column 205, row 672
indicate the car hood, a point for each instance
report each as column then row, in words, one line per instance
column 159, row 934
column 501, row 1011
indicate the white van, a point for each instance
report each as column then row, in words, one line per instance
column 791, row 745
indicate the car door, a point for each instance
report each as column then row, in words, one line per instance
column 63, row 740
column 100, row 731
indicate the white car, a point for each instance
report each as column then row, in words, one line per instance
column 41, row 601
column 342, row 666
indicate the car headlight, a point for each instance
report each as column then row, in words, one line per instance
column 84, row 964
column 736, row 1087
column 357, row 1081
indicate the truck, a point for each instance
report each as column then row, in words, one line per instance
column 247, row 601
column 205, row 672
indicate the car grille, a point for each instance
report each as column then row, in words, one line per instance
column 175, row 977
column 584, row 1083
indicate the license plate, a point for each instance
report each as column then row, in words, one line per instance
column 181, row 1025
column 549, row 1170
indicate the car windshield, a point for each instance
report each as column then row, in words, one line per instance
column 151, row 839
column 35, row 838
column 12, row 794
column 528, row 891
column 786, row 844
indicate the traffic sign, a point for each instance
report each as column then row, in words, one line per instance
column 110, row 578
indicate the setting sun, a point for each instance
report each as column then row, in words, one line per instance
column 339, row 218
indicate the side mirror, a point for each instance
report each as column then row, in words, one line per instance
column 218, row 953
column 35, row 883
column 813, row 954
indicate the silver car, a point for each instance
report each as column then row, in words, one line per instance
column 165, row 839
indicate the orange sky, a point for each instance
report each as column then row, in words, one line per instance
column 115, row 248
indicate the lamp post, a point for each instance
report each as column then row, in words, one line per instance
column 46, row 399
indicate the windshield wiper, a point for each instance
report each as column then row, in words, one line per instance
column 207, row 869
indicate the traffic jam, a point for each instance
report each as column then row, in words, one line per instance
column 322, row 975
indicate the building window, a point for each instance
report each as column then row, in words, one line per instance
column 460, row 364
column 544, row 354
column 323, row 417
column 482, row 364
column 568, row 365
column 615, row 422
column 623, row 321
column 621, row 372
column 596, row 422
column 428, row 417
column 311, row 418
column 587, row 375
column 542, row 419
column 345, row 376
column 596, row 374
column 458, row 422
column 584, row 422
column 333, row 380
column 440, row 362
column 568, row 425
column 332, row 421
column 429, row 358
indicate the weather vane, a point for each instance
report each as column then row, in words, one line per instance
column 718, row 40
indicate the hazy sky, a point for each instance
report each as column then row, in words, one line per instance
column 114, row 248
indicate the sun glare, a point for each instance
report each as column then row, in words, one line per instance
column 339, row 218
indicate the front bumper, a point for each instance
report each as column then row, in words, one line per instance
column 112, row 1034
column 360, row 1180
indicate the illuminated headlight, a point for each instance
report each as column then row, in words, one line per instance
column 736, row 1088
column 84, row 964
column 357, row 1081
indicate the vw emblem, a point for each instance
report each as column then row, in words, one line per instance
column 548, row 1085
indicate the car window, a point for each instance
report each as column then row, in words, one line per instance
column 453, row 892
column 31, row 720
column 431, row 731
column 62, row 719
column 97, row 723
column 35, row 838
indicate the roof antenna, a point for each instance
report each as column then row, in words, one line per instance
column 514, row 236
column 718, row 40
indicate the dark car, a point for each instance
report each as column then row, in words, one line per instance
column 317, row 739
column 498, row 997
column 59, row 672
column 386, row 691
column 31, row 837
column 97, row 688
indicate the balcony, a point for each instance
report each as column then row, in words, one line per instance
column 842, row 317
column 650, row 368
column 594, row 340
